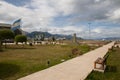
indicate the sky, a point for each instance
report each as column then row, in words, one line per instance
column 86, row 18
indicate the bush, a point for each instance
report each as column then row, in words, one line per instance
column 20, row 38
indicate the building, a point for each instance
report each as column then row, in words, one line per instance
column 17, row 31
column 5, row 26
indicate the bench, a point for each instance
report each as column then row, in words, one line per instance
column 101, row 62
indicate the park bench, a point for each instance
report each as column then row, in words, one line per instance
column 101, row 62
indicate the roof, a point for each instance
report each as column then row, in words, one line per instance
column 5, row 25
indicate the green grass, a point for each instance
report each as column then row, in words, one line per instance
column 19, row 61
column 112, row 71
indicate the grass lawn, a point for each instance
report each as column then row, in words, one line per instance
column 112, row 71
column 18, row 61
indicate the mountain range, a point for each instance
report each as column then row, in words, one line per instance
column 47, row 35
column 68, row 37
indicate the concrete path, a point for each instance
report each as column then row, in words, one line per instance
column 74, row 69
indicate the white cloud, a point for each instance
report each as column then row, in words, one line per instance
column 97, row 0
column 65, row 7
column 102, row 31
column 115, row 14
column 96, row 30
column 40, row 14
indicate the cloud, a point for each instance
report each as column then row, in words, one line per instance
column 97, row 30
column 75, row 15
column 115, row 15
column 104, row 32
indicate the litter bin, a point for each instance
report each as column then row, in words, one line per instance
column 30, row 44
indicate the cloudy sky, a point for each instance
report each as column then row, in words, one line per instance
column 65, row 16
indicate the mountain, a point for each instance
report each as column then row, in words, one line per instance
column 47, row 35
column 109, row 38
column 33, row 34
column 112, row 38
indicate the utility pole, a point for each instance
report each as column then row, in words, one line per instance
column 89, row 31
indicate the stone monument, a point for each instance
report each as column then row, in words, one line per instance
column 74, row 38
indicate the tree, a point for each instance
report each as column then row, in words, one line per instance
column 20, row 38
column 6, row 34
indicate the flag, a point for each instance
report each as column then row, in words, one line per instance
column 16, row 24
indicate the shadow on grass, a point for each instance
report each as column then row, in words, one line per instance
column 1, row 50
column 8, row 70
column 21, row 48
column 18, row 47
column 111, row 68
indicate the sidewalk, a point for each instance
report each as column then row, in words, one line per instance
column 74, row 69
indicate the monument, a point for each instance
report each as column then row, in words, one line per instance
column 74, row 38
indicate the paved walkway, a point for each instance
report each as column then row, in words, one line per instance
column 74, row 69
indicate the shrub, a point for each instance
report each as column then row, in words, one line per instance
column 20, row 38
